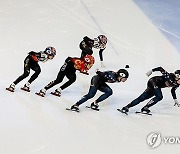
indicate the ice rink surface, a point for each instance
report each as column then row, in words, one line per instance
column 144, row 34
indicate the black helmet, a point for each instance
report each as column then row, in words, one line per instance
column 123, row 73
column 177, row 73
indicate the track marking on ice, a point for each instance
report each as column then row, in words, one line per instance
column 123, row 44
column 72, row 14
column 99, row 27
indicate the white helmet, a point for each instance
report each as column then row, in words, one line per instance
column 177, row 73
column 100, row 42
column 103, row 39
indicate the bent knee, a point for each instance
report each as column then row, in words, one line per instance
column 38, row 71
column 26, row 74
column 73, row 79
column 159, row 98
column 110, row 92
column 90, row 95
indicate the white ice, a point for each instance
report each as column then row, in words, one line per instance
column 33, row 125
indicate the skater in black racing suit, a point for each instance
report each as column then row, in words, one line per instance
column 154, row 86
column 87, row 45
column 69, row 70
column 98, row 82
column 31, row 62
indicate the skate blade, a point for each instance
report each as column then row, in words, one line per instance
column 139, row 112
column 122, row 111
column 39, row 94
column 8, row 89
column 92, row 108
column 25, row 89
column 52, row 93
column 72, row 110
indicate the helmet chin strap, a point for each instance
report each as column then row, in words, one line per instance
column 177, row 79
column 50, row 57
column 120, row 78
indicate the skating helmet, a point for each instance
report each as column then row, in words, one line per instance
column 123, row 73
column 103, row 39
column 100, row 41
column 89, row 61
column 51, row 51
column 177, row 73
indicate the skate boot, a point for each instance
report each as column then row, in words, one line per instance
column 11, row 87
column 125, row 109
column 26, row 87
column 145, row 109
column 94, row 106
column 75, row 108
column 41, row 93
column 57, row 92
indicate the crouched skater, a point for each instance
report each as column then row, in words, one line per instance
column 154, row 86
column 31, row 62
column 87, row 45
column 68, row 69
column 98, row 82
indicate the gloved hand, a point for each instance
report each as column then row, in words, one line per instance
column 149, row 73
column 84, row 72
column 102, row 65
column 176, row 103
column 97, row 70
